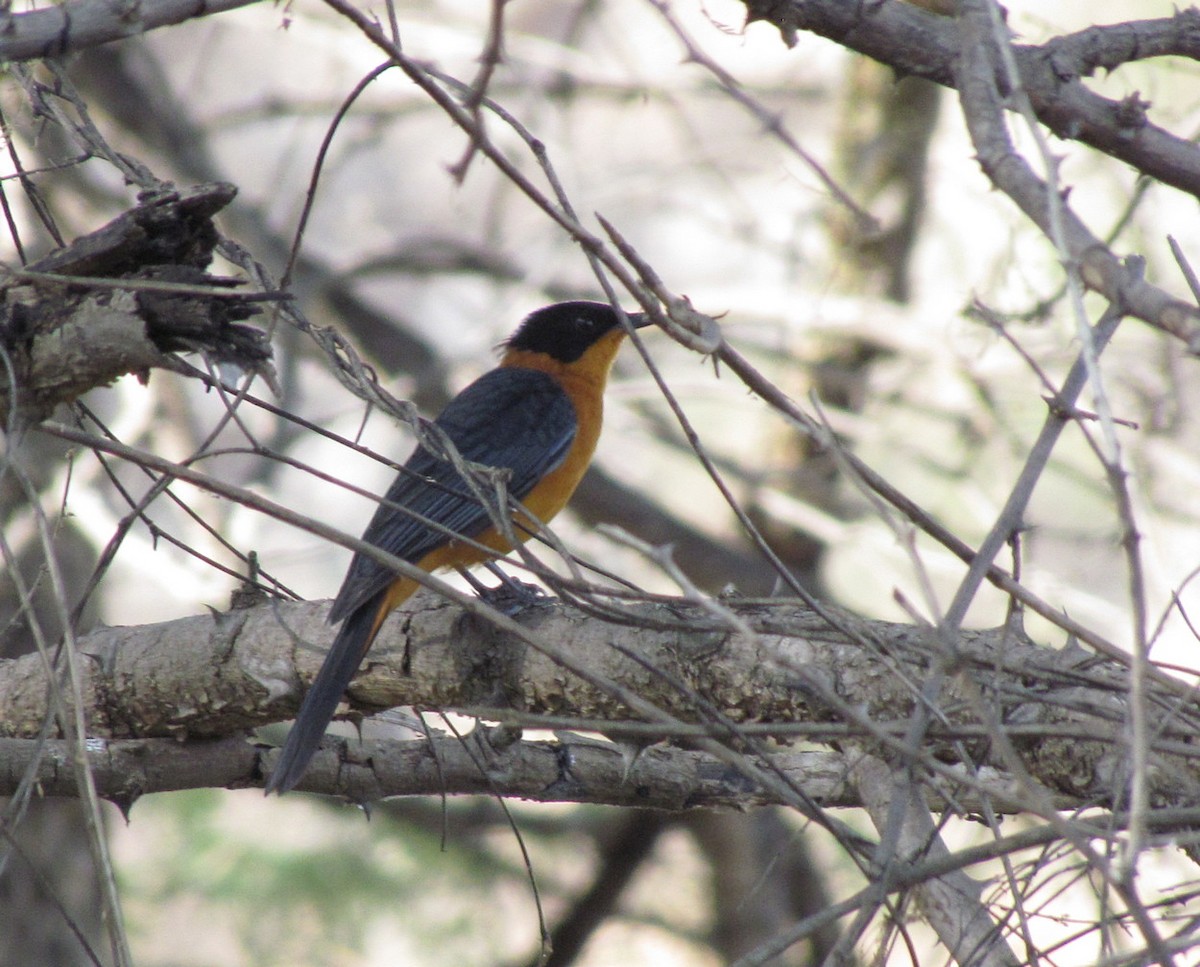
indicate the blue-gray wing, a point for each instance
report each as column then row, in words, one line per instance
column 518, row 419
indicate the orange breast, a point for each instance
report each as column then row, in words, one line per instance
column 583, row 381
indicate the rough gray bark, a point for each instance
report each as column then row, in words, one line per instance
column 64, row 28
column 217, row 675
column 915, row 41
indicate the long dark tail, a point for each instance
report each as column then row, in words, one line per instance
column 316, row 712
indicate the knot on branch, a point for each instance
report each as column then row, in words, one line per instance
column 123, row 299
column 1131, row 114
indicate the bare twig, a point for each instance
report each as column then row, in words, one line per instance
column 772, row 123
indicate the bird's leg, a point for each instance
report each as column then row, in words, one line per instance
column 481, row 590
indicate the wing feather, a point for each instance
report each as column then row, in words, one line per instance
column 516, row 419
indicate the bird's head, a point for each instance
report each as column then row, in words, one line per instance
column 566, row 330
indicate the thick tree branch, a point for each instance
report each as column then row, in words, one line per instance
column 78, row 24
column 218, row 675
column 563, row 770
column 951, row 904
column 1099, row 268
column 914, row 41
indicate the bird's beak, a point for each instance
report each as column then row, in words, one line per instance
column 639, row 320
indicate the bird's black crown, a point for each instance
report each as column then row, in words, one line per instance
column 567, row 330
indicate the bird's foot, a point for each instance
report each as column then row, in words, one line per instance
column 509, row 597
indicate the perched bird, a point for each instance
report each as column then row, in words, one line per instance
column 537, row 415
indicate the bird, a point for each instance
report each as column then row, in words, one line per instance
column 538, row 416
